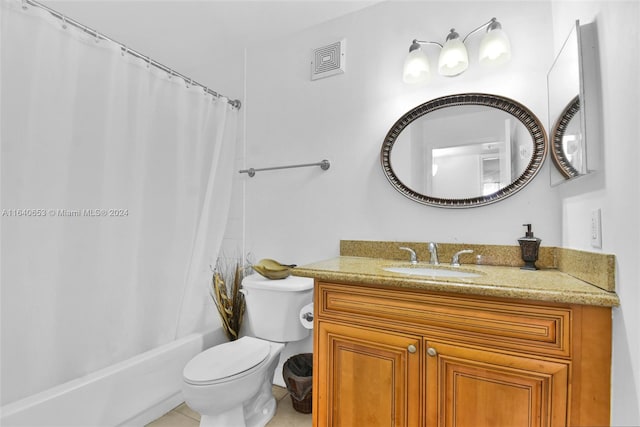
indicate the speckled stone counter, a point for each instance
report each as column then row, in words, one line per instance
column 496, row 281
column 595, row 268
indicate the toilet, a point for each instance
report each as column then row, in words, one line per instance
column 230, row 384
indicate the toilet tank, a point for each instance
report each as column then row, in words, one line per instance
column 273, row 306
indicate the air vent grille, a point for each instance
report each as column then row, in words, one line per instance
column 328, row 60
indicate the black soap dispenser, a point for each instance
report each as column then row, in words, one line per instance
column 529, row 246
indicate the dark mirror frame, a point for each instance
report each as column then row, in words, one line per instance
column 517, row 110
column 557, row 150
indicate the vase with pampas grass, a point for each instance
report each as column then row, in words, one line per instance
column 226, row 295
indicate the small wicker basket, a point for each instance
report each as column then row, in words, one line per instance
column 297, row 373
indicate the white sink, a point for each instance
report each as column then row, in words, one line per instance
column 431, row 272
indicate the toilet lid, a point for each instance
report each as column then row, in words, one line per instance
column 226, row 360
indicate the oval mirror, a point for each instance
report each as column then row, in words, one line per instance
column 465, row 150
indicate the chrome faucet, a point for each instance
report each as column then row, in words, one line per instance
column 433, row 250
column 412, row 253
column 455, row 261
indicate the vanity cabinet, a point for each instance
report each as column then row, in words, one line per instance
column 472, row 387
column 408, row 357
column 371, row 376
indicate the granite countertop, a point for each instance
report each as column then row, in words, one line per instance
column 507, row 282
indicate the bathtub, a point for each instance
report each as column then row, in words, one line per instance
column 130, row 393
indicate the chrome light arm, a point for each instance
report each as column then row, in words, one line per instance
column 491, row 24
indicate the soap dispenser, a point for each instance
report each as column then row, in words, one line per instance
column 529, row 246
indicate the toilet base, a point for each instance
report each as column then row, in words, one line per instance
column 232, row 418
column 236, row 417
column 259, row 411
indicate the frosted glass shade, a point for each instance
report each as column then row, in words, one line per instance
column 453, row 58
column 416, row 67
column 495, row 48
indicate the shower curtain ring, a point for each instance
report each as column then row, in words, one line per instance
column 148, row 62
column 97, row 39
column 24, row 4
column 64, row 22
column 124, row 51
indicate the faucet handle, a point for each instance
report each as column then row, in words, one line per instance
column 455, row 261
column 412, row 253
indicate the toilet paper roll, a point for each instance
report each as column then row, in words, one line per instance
column 306, row 316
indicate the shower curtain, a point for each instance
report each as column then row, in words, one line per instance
column 116, row 184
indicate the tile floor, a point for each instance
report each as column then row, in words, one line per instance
column 286, row 416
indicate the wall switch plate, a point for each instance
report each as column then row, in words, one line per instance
column 596, row 228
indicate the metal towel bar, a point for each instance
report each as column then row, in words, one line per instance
column 324, row 165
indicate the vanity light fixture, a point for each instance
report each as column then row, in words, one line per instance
column 454, row 59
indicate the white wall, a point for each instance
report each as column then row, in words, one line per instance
column 615, row 189
column 299, row 215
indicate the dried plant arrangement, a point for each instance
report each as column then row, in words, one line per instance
column 226, row 295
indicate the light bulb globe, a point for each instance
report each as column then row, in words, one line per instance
column 416, row 67
column 495, row 48
column 453, row 58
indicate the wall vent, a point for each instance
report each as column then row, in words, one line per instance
column 328, row 60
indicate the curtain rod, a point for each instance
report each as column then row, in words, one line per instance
column 65, row 20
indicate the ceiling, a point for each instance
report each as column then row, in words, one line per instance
column 170, row 31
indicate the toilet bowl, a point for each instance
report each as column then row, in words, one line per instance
column 230, row 384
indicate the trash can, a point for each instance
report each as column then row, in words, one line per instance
column 297, row 373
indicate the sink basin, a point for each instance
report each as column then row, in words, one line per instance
column 431, row 272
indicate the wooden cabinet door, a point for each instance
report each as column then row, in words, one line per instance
column 468, row 387
column 367, row 377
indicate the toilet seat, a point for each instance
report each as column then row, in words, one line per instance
column 226, row 360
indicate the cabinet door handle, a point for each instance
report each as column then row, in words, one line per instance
column 412, row 348
column 432, row 352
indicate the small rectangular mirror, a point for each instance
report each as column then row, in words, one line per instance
column 573, row 85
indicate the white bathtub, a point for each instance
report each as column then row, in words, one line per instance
column 131, row 393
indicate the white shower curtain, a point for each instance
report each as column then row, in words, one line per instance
column 116, row 183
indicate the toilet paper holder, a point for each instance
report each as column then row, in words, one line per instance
column 306, row 316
